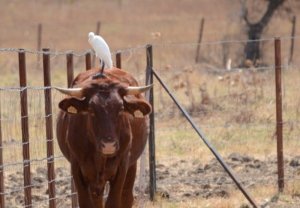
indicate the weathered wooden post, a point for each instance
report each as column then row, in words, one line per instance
column 150, row 98
column 70, row 77
column 199, row 39
column 2, row 198
column 70, row 69
column 280, row 161
column 292, row 39
column 39, row 40
column 25, row 129
column 118, row 60
column 49, row 128
column 88, row 61
column 98, row 27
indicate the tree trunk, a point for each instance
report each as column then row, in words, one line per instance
column 252, row 48
column 255, row 30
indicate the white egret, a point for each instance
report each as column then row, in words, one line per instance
column 101, row 49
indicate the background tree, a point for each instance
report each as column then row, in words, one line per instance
column 255, row 30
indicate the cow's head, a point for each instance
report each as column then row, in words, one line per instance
column 106, row 105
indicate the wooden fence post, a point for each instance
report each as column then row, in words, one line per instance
column 70, row 77
column 2, row 198
column 292, row 39
column 150, row 98
column 280, row 161
column 88, row 63
column 70, row 69
column 49, row 128
column 25, row 129
column 98, row 27
column 118, row 60
column 199, row 39
column 39, row 40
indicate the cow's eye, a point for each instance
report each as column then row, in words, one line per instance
column 121, row 110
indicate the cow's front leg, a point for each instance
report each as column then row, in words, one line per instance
column 96, row 194
column 82, row 192
column 127, row 195
column 116, row 186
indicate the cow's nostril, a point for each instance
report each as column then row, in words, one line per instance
column 109, row 144
column 109, row 148
column 102, row 145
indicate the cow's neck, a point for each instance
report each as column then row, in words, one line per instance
column 100, row 168
column 106, row 167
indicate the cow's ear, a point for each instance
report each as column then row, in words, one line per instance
column 136, row 106
column 73, row 105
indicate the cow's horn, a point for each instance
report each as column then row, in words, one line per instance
column 131, row 90
column 74, row 92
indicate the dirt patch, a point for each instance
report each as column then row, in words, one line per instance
column 185, row 179
column 14, row 189
column 178, row 181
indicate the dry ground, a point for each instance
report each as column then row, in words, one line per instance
column 186, row 184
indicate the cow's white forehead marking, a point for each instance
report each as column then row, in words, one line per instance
column 138, row 114
column 72, row 109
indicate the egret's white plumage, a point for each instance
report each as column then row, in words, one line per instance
column 101, row 49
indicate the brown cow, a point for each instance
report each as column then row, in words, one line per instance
column 102, row 131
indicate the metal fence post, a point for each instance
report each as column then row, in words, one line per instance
column 292, row 39
column 150, row 98
column 118, row 60
column 98, row 27
column 199, row 39
column 2, row 198
column 280, row 161
column 39, row 40
column 49, row 127
column 88, row 61
column 25, row 129
column 97, row 32
column 70, row 77
column 70, row 69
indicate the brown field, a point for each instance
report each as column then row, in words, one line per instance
column 235, row 109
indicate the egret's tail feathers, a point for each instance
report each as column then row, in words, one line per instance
column 109, row 64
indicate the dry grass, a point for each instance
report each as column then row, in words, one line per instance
column 238, row 119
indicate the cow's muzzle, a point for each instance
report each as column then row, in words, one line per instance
column 108, row 147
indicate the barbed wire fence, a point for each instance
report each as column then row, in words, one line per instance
column 15, row 168
column 234, row 106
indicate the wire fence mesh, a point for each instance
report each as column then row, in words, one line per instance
column 12, row 134
column 236, row 109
